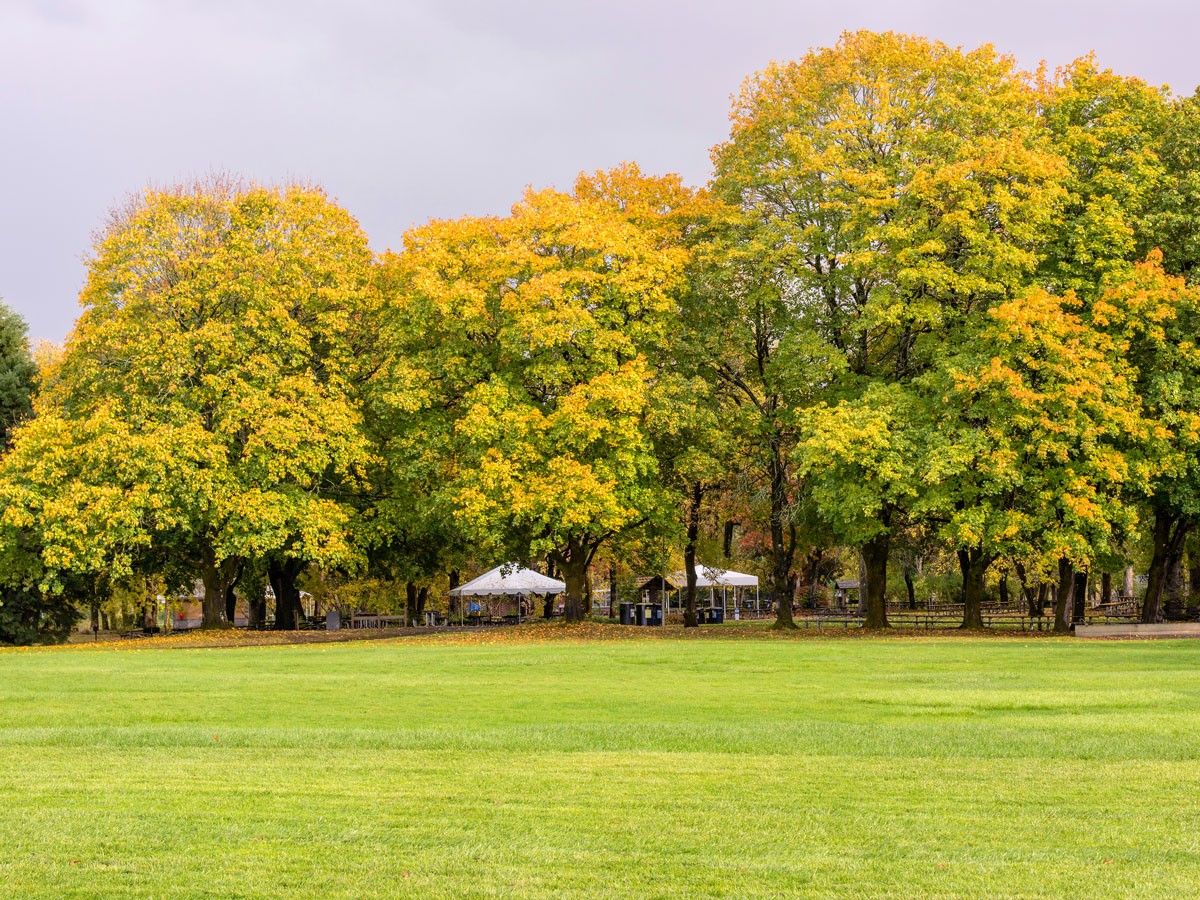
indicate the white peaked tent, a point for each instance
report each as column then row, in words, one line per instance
column 518, row 581
column 708, row 577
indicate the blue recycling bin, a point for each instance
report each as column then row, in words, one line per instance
column 716, row 615
column 653, row 614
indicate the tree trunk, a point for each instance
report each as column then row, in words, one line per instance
column 257, row 612
column 875, row 558
column 216, row 577
column 587, row 593
column 1079, row 598
column 1106, row 587
column 910, row 588
column 862, row 585
column 452, row 601
column 1062, row 599
column 422, row 599
column 613, row 599
column 1004, row 589
column 410, row 603
column 1128, row 581
column 95, row 617
column 814, row 574
column 231, row 598
column 783, row 548
column 1173, row 589
column 690, row 619
column 282, row 573
column 1033, row 592
column 1194, row 579
column 727, row 543
column 574, row 573
column 973, row 564
column 1168, row 535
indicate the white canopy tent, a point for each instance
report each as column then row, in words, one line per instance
column 714, row 578
column 509, row 580
column 708, row 577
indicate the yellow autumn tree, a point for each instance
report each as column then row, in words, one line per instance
column 203, row 407
column 525, row 350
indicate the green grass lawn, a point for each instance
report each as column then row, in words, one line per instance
column 945, row 767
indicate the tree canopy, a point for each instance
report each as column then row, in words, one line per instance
column 931, row 308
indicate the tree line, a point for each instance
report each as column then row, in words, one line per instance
column 927, row 298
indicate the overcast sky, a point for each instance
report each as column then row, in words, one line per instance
column 414, row 109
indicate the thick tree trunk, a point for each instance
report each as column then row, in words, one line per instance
column 1168, row 535
column 1004, row 589
column 690, row 619
column 410, row 603
column 1062, row 600
column 216, row 578
column 283, row 574
column 973, row 564
column 1194, row 579
column 587, row 593
column 95, row 617
column 1127, row 583
column 875, row 558
column 422, row 599
column 574, row 573
column 1039, row 602
column 910, row 588
column 1106, row 587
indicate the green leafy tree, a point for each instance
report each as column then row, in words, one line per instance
column 18, row 373
column 1027, row 458
column 899, row 188
column 1155, row 317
